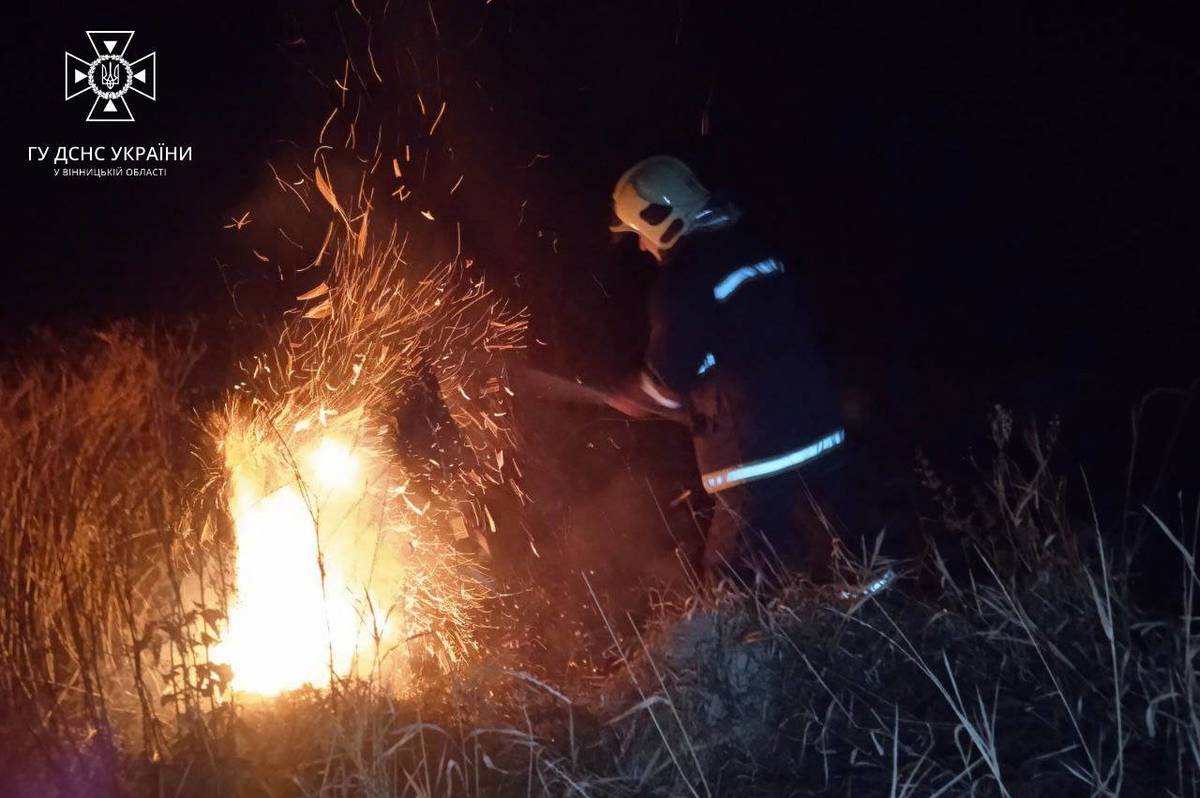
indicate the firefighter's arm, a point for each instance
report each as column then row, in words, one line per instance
column 674, row 358
column 679, row 341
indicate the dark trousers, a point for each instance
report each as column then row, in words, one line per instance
column 788, row 520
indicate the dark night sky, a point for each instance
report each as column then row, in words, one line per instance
column 993, row 205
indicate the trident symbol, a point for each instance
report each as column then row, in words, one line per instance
column 109, row 71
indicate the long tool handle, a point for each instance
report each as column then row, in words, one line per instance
column 542, row 385
column 551, row 387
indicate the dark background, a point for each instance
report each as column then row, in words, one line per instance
column 992, row 205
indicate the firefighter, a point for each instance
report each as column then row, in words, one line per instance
column 730, row 347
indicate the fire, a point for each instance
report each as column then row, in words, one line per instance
column 355, row 451
column 288, row 627
column 334, row 464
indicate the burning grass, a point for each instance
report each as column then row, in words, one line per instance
column 361, row 450
column 358, row 451
column 1027, row 671
column 1034, row 677
column 335, row 527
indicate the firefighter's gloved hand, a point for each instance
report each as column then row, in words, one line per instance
column 640, row 396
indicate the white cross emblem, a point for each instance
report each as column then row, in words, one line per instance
column 110, row 76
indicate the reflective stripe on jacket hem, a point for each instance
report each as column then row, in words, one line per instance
column 717, row 481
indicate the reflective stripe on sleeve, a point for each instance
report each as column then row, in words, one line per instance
column 716, row 481
column 723, row 290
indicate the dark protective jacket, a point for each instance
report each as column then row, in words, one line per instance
column 730, row 336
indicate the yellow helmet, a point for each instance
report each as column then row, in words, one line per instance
column 658, row 198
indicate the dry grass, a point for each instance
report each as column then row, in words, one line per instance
column 99, row 534
column 1026, row 672
column 1034, row 677
column 119, row 557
